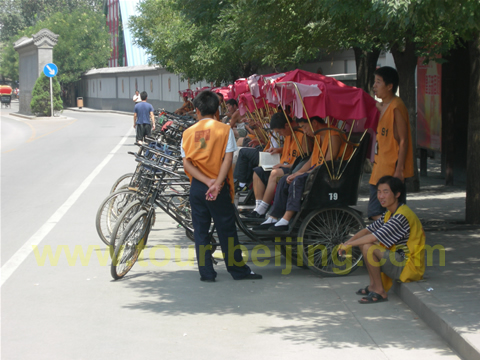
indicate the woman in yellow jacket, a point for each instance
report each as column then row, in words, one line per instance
column 393, row 246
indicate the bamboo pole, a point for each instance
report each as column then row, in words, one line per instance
column 290, row 126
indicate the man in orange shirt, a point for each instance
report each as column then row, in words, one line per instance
column 207, row 151
column 393, row 150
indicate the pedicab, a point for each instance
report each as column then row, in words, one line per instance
column 5, row 95
column 326, row 218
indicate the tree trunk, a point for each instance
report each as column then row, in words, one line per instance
column 472, row 214
column 455, row 92
column 406, row 62
column 366, row 64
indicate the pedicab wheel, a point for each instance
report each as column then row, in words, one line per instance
column 294, row 253
column 130, row 245
column 109, row 211
column 122, row 182
column 322, row 231
column 189, row 234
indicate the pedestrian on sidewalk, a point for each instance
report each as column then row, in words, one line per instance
column 207, row 150
column 393, row 247
column 143, row 118
column 393, row 150
column 137, row 98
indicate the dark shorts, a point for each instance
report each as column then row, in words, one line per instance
column 143, row 130
column 374, row 207
column 265, row 175
column 394, row 264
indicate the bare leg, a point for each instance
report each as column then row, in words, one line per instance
column 371, row 261
column 288, row 215
column 258, row 187
column 269, row 192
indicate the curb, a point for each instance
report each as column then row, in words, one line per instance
column 440, row 317
column 31, row 117
column 99, row 111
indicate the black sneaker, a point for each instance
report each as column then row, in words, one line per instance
column 238, row 188
column 280, row 228
column 210, row 280
column 254, row 215
column 252, row 277
column 262, row 227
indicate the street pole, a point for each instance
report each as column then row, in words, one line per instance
column 51, row 96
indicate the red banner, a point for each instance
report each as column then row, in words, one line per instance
column 429, row 105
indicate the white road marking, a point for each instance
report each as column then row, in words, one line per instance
column 17, row 259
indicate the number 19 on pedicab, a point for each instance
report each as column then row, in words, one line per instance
column 50, row 70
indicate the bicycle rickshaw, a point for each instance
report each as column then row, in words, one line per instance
column 326, row 218
column 5, row 95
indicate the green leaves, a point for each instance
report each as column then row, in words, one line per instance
column 41, row 100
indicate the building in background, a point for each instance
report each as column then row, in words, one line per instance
column 124, row 51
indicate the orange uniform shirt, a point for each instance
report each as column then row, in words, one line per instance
column 317, row 157
column 204, row 145
column 386, row 149
column 290, row 148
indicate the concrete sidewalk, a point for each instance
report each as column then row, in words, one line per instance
column 446, row 300
column 448, row 297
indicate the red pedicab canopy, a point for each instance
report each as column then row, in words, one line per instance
column 226, row 91
column 333, row 98
column 5, row 90
column 187, row 92
column 311, row 94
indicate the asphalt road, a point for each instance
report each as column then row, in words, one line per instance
column 55, row 173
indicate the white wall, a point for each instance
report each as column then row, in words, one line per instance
column 153, row 87
column 107, row 88
column 123, row 88
column 136, row 83
column 170, row 87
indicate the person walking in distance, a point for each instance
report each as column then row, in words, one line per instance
column 136, row 98
column 143, row 118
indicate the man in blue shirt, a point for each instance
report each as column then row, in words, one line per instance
column 143, row 118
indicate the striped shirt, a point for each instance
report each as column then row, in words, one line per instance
column 395, row 231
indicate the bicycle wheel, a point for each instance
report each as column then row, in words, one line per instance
column 109, row 210
column 322, row 231
column 130, row 245
column 122, row 182
column 127, row 214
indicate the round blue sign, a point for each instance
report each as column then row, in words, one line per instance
column 50, row 70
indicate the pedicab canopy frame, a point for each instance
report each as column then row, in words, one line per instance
column 311, row 94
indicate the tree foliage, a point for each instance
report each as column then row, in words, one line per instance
column 84, row 43
column 41, row 102
column 17, row 15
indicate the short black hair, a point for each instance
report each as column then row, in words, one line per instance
column 143, row 95
column 395, row 184
column 316, row 118
column 278, row 121
column 232, row 102
column 207, row 102
column 389, row 76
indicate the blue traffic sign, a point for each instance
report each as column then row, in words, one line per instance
column 50, row 70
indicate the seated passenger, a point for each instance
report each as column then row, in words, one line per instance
column 264, row 182
column 186, row 107
column 290, row 187
column 247, row 160
column 236, row 120
column 393, row 247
